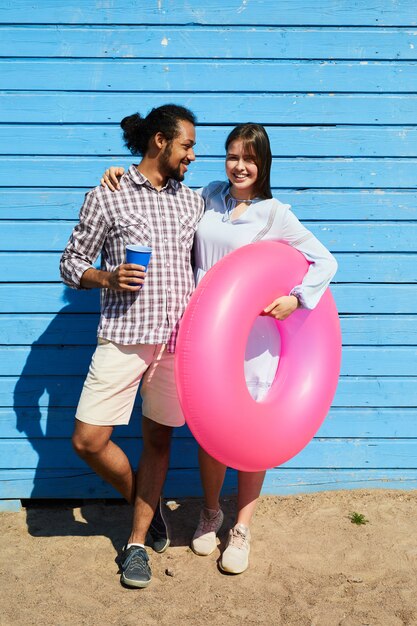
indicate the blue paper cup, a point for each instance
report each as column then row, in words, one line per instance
column 140, row 255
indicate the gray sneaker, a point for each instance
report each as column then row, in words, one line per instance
column 235, row 558
column 204, row 540
column 135, row 568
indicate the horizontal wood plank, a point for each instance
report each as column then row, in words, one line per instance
column 337, row 236
column 271, row 108
column 53, row 298
column 207, row 42
column 359, row 422
column 288, row 12
column 319, row 453
column 224, row 75
column 296, row 141
column 33, row 391
column 353, row 267
column 74, row 360
column 67, row 328
column 75, row 484
column 299, row 173
column 58, row 204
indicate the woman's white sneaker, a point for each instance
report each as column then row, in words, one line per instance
column 235, row 558
column 204, row 541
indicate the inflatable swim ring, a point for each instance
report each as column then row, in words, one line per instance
column 218, row 408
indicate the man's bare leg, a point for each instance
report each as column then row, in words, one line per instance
column 150, row 477
column 92, row 443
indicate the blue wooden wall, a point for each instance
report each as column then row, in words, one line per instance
column 335, row 84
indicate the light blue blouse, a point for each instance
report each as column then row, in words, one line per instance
column 218, row 234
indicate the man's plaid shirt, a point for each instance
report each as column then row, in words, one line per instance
column 166, row 220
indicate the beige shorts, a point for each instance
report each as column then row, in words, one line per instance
column 113, row 379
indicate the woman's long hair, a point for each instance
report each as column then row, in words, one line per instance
column 256, row 141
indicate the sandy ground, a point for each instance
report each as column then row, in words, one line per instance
column 310, row 565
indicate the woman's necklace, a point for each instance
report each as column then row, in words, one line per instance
column 232, row 202
column 238, row 200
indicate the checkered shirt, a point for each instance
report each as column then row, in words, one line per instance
column 166, row 220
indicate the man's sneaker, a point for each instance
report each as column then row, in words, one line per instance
column 235, row 558
column 158, row 536
column 204, row 540
column 135, row 568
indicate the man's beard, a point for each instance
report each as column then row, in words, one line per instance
column 171, row 172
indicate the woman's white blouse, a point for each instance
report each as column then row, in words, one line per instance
column 217, row 235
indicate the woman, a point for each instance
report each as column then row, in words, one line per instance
column 238, row 212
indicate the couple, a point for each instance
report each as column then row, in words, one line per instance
column 140, row 313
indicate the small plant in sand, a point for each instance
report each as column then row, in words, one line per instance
column 358, row 518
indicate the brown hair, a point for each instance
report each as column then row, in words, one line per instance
column 256, row 141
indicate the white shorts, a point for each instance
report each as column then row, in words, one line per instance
column 113, row 379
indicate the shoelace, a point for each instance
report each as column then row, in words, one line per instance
column 136, row 560
column 238, row 538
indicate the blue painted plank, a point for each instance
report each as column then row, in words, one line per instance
column 209, row 42
column 337, row 236
column 73, row 484
column 379, row 361
column 296, row 172
column 288, row 12
column 363, row 422
column 223, row 75
column 384, row 391
column 319, row 453
column 44, row 203
column 375, row 267
column 375, row 299
column 47, row 453
column 74, row 360
column 271, row 108
column 32, row 390
column 286, row 482
column 358, row 299
column 10, row 506
column 67, row 328
column 379, row 330
column 297, row 141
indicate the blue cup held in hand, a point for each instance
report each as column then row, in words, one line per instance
column 140, row 255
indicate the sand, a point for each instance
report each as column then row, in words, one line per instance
column 310, row 565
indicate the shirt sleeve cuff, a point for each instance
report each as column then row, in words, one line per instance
column 73, row 278
column 297, row 292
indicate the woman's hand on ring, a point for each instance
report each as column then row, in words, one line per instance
column 282, row 307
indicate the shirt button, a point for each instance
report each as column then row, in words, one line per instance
column 167, row 264
column 166, row 240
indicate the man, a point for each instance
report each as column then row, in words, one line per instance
column 139, row 318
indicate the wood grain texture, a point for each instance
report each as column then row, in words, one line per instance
column 223, row 75
column 296, row 141
column 171, row 42
column 234, row 12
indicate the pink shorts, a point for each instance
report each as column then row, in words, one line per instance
column 113, row 380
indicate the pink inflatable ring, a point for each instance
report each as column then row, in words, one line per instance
column 219, row 410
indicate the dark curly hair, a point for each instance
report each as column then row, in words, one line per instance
column 138, row 130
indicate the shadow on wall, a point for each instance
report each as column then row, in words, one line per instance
column 45, row 398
